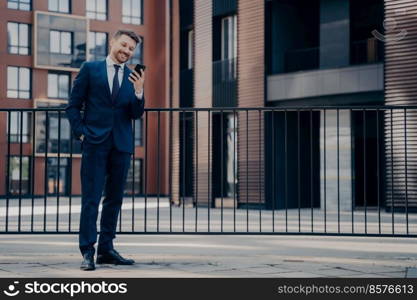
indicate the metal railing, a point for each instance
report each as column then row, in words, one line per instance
column 346, row 170
column 302, row 59
column 361, row 52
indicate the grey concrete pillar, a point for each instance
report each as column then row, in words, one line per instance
column 329, row 161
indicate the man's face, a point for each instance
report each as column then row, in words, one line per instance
column 122, row 48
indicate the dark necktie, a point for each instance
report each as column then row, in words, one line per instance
column 116, row 85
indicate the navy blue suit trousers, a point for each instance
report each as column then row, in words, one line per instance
column 103, row 167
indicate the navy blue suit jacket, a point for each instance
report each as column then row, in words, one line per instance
column 101, row 116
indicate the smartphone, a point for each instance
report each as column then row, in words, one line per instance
column 139, row 68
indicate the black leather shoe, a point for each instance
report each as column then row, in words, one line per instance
column 113, row 257
column 88, row 262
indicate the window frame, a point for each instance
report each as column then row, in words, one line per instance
column 18, row 46
column 232, row 31
column 92, row 14
column 60, row 32
column 18, row 90
column 26, row 130
column 59, row 4
column 190, row 58
column 89, row 43
column 48, row 133
column 130, row 17
column 19, row 4
column 59, row 74
column 10, row 171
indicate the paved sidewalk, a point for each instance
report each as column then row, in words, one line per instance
column 215, row 256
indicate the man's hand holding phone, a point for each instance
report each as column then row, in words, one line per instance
column 137, row 77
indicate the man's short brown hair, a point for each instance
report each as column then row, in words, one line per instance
column 129, row 33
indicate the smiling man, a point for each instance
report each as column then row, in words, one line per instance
column 112, row 95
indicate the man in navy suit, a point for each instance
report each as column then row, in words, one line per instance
column 112, row 96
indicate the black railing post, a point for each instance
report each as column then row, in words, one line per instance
column 221, row 168
column 70, row 181
column 406, row 172
column 299, row 169
column 133, row 176
column 338, row 172
column 364, row 170
column 146, row 171
column 157, row 170
column 32, row 180
column 8, row 169
column 196, row 170
column 377, row 170
column 46, row 169
column 324, row 171
column 20, row 170
column 58, row 171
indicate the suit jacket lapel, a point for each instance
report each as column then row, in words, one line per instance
column 125, row 81
column 126, row 72
column 104, row 78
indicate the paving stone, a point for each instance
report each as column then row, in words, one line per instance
column 336, row 272
column 299, row 275
column 215, row 256
column 411, row 273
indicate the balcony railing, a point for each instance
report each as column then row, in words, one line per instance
column 310, row 170
column 301, row 59
column 361, row 52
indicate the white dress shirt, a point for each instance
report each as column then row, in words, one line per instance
column 110, row 74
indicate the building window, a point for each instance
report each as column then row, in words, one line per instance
column 96, row 9
column 366, row 18
column 62, row 6
column 58, row 85
column 297, row 49
column 58, row 184
column 139, row 132
column 190, row 60
column 132, row 12
column 135, row 177
column 19, row 170
column 19, row 4
column 137, row 57
column 229, row 37
column 53, row 131
column 97, row 45
column 19, row 130
column 18, row 82
column 229, row 48
column 60, row 42
column 19, row 38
